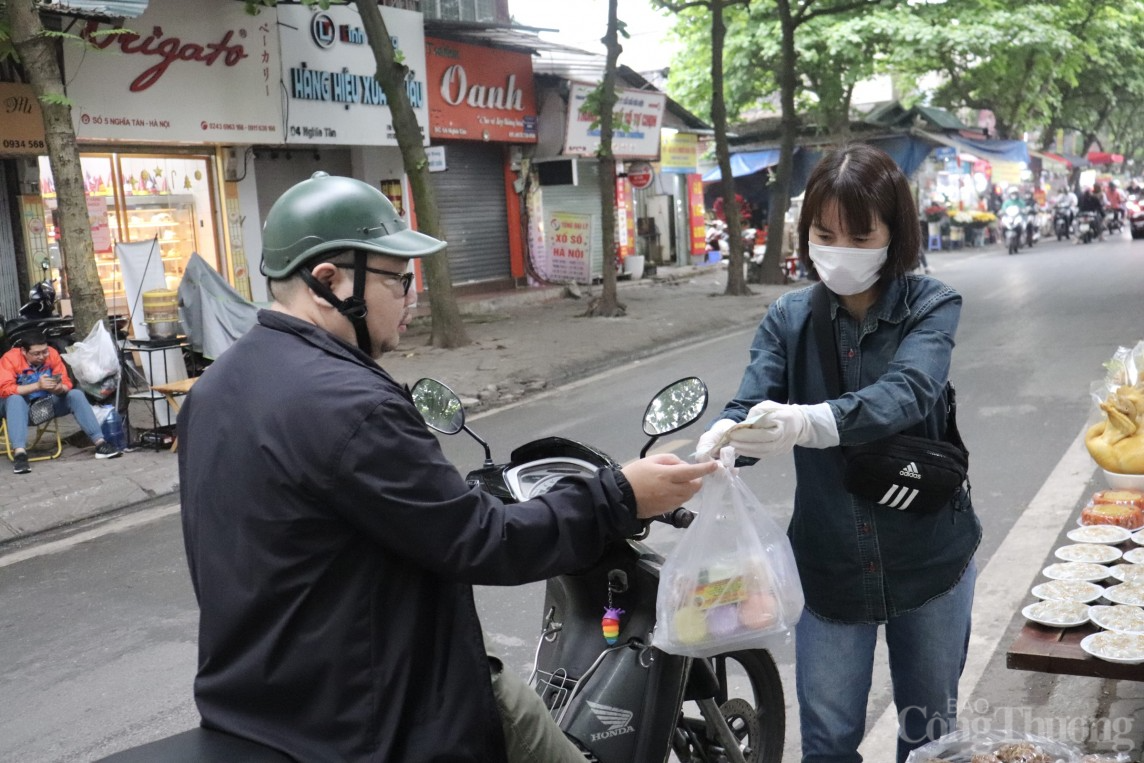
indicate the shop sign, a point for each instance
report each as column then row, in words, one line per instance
column 640, row 175
column 678, row 152
column 569, row 242
column 208, row 77
column 436, row 157
column 328, row 75
column 695, row 220
column 21, row 121
column 637, row 120
column 478, row 93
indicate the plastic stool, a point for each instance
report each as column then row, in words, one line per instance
column 934, row 243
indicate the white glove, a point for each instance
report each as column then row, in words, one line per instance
column 772, row 428
column 713, row 439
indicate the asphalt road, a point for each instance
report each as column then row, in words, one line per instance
column 97, row 633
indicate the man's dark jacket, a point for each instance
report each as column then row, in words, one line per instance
column 333, row 548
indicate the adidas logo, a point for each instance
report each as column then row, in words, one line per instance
column 911, row 471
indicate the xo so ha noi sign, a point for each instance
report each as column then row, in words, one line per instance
column 480, row 93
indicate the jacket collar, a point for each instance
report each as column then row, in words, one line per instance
column 320, row 338
column 892, row 306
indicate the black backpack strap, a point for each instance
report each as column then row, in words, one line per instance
column 824, row 339
column 828, row 356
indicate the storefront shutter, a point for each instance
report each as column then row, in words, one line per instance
column 9, row 285
column 584, row 199
column 471, row 198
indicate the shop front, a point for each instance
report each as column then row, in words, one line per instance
column 482, row 115
column 162, row 117
column 334, row 113
column 564, row 189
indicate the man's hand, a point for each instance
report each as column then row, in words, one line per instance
column 664, row 482
column 49, row 384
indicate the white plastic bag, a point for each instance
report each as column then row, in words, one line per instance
column 961, row 746
column 94, row 359
column 731, row 583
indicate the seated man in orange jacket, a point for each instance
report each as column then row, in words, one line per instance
column 34, row 370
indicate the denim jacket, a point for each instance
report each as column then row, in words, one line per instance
column 861, row 562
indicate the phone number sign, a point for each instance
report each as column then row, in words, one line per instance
column 569, row 247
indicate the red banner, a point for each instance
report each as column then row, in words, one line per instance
column 696, row 221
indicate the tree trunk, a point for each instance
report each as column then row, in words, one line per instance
column 609, row 303
column 772, row 270
column 736, row 278
column 38, row 54
column 447, row 327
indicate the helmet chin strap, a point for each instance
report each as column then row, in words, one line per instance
column 353, row 308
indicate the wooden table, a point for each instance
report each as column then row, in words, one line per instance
column 172, row 391
column 1057, row 650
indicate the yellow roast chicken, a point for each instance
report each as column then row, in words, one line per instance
column 1117, row 443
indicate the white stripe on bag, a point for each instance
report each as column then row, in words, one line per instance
column 895, row 495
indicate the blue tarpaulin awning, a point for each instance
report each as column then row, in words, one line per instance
column 1003, row 150
column 745, row 163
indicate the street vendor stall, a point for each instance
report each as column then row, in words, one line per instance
column 1089, row 617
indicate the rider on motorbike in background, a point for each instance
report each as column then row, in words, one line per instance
column 1092, row 201
column 1066, row 203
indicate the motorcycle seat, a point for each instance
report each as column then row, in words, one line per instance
column 200, row 746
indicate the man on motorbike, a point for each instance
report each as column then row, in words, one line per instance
column 1066, row 204
column 1091, row 201
column 1115, row 201
column 331, row 545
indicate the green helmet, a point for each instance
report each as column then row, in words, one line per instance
column 328, row 213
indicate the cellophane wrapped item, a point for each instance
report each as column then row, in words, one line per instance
column 1115, row 438
column 1001, row 746
column 1124, row 369
column 731, row 582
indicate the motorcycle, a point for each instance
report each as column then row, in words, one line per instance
column 1062, row 213
column 1135, row 213
column 627, row 701
column 1012, row 227
column 1034, row 221
column 1113, row 222
column 38, row 316
column 620, row 702
column 1087, row 229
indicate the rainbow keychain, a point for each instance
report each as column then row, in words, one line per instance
column 610, row 623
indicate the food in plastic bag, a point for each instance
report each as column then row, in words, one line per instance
column 1117, row 443
column 94, row 360
column 965, row 746
column 731, row 583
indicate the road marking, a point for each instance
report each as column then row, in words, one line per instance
column 115, row 525
column 1005, row 581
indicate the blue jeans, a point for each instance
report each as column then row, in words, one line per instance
column 15, row 410
column 834, row 664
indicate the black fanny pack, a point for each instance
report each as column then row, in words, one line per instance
column 902, row 472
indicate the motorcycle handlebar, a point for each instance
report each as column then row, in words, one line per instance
column 680, row 518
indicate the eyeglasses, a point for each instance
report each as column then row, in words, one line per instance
column 38, row 353
column 405, row 278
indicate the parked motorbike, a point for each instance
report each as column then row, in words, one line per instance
column 1135, row 214
column 38, row 316
column 1034, row 221
column 1087, row 227
column 1012, row 227
column 627, row 701
column 1061, row 216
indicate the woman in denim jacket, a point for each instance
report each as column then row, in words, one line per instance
column 862, row 565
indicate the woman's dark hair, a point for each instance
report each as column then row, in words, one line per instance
column 864, row 181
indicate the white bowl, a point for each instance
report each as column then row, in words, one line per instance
column 1124, row 481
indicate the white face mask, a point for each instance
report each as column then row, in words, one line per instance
column 847, row 270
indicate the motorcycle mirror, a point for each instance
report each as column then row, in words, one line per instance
column 45, row 265
column 439, row 406
column 675, row 406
